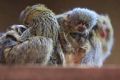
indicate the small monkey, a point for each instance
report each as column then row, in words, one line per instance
column 75, row 26
column 104, row 31
column 101, row 38
column 39, row 42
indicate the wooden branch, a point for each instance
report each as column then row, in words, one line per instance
column 58, row 73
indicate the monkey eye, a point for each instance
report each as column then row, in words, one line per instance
column 83, row 23
column 22, row 29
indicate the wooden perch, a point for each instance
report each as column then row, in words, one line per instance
column 58, row 73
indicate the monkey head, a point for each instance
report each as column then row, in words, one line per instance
column 18, row 28
column 12, row 35
column 78, row 20
column 41, row 20
column 30, row 13
column 78, row 23
column 104, row 27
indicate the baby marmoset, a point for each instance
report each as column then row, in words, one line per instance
column 38, row 40
column 102, row 39
column 104, row 31
column 75, row 27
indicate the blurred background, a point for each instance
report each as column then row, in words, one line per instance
column 10, row 10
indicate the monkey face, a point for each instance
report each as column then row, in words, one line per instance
column 75, row 24
column 80, row 20
column 104, row 28
column 18, row 28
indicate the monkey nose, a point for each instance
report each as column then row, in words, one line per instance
column 81, row 27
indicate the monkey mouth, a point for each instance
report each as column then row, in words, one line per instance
column 78, row 34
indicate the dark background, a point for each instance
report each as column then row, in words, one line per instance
column 10, row 10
